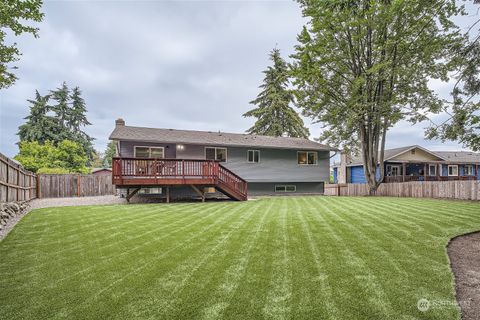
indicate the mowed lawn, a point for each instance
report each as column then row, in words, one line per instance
column 274, row 258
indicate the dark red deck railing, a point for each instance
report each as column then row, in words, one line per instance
column 160, row 171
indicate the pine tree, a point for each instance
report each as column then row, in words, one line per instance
column 62, row 110
column 275, row 116
column 68, row 119
column 39, row 126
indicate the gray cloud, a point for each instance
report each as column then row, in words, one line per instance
column 193, row 65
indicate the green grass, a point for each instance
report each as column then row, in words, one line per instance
column 277, row 258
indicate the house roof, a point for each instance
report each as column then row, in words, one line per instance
column 453, row 156
column 123, row 132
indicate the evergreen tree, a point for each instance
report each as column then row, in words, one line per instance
column 39, row 126
column 62, row 110
column 109, row 154
column 69, row 117
column 275, row 116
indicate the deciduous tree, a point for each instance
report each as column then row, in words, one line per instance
column 362, row 66
column 14, row 16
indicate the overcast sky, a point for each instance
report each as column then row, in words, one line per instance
column 183, row 65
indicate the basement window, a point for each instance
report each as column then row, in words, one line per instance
column 150, row 191
column 285, row 188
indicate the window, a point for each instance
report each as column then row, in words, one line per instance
column 468, row 170
column 393, row 171
column 218, row 154
column 412, row 151
column 148, row 152
column 285, row 188
column 453, row 170
column 253, row 156
column 306, row 158
column 432, row 169
column 150, row 191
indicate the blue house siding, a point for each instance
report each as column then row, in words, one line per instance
column 357, row 174
column 335, row 173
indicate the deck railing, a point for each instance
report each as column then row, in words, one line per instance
column 159, row 170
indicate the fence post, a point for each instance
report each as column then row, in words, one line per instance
column 78, row 186
column 38, row 186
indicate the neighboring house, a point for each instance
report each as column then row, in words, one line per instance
column 414, row 163
column 201, row 162
column 101, row 171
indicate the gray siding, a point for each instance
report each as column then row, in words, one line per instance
column 276, row 165
column 269, row 188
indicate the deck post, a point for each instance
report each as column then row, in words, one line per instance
column 168, row 194
column 425, row 171
column 404, row 169
column 199, row 192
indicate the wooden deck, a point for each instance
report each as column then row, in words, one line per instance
column 144, row 172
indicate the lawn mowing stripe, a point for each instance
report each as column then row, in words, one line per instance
column 146, row 264
column 185, row 265
column 90, row 274
column 424, row 212
column 156, row 239
column 166, row 226
column 366, row 239
column 276, row 306
column 170, row 283
column 445, row 266
column 377, row 293
column 233, row 277
column 90, row 227
column 322, row 275
column 82, row 280
column 223, row 293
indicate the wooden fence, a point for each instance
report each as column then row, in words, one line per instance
column 461, row 190
column 74, row 185
column 16, row 183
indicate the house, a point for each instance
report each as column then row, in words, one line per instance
column 413, row 163
column 101, row 171
column 182, row 163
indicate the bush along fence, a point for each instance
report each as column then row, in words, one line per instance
column 461, row 190
column 16, row 183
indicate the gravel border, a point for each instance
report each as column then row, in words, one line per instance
column 464, row 254
column 59, row 202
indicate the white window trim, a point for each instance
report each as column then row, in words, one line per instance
column 307, row 164
column 149, row 151
column 226, row 153
column 252, row 150
column 398, row 167
column 285, row 188
column 448, row 170
column 472, row 171
column 435, row 173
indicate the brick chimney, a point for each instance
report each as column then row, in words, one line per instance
column 119, row 122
